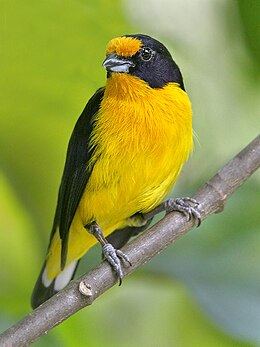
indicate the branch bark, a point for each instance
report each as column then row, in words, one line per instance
column 83, row 291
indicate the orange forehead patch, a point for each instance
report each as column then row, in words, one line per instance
column 124, row 46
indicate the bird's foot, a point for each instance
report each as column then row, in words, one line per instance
column 114, row 257
column 187, row 206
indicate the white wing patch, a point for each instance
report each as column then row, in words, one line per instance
column 65, row 276
column 45, row 280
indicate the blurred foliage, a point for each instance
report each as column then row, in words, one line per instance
column 202, row 291
column 249, row 11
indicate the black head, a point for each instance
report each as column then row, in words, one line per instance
column 143, row 57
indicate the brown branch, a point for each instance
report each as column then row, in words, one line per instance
column 82, row 292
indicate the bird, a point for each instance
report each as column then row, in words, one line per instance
column 125, row 153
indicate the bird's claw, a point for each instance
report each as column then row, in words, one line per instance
column 113, row 256
column 187, row 206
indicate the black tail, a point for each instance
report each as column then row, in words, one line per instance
column 45, row 288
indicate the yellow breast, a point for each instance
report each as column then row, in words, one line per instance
column 142, row 138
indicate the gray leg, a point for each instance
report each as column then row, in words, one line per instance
column 112, row 255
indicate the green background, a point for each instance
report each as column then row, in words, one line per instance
column 205, row 289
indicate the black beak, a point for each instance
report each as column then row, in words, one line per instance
column 114, row 63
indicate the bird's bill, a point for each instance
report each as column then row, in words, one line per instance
column 114, row 63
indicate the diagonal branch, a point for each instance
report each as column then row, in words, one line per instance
column 82, row 292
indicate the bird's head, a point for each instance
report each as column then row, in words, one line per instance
column 144, row 57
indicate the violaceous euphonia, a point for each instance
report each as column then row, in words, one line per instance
column 124, row 155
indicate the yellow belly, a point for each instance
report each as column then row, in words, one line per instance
column 141, row 140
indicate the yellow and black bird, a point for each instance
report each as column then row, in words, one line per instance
column 125, row 153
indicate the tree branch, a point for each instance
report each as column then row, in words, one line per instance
column 82, row 292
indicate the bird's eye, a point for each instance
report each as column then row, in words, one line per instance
column 146, row 53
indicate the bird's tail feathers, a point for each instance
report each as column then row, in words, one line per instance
column 46, row 288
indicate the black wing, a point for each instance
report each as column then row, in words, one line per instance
column 75, row 175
